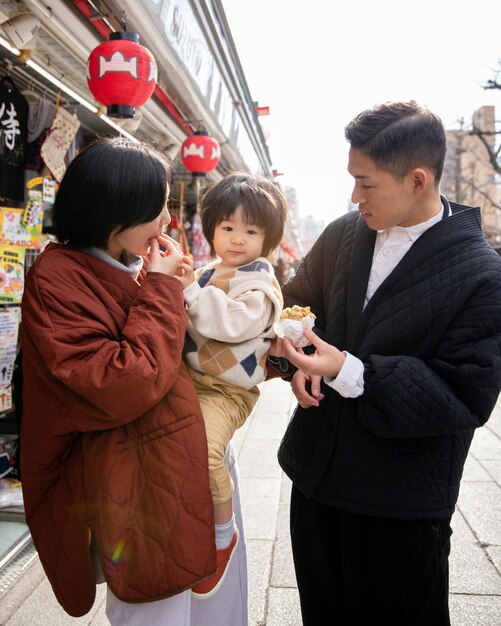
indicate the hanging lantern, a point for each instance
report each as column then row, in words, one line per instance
column 121, row 74
column 200, row 153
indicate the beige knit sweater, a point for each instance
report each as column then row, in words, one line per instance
column 231, row 315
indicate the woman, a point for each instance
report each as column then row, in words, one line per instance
column 114, row 452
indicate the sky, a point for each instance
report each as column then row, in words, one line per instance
column 317, row 63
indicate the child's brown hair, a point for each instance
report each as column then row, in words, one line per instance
column 262, row 202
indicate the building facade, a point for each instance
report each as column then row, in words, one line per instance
column 469, row 176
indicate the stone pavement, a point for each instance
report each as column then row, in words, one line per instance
column 273, row 599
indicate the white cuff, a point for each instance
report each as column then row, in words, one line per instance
column 349, row 383
column 191, row 292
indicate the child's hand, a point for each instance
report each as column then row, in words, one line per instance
column 277, row 347
column 185, row 271
column 164, row 262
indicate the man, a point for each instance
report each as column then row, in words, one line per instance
column 407, row 297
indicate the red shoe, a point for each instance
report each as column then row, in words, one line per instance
column 208, row 587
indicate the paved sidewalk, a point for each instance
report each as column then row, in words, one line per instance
column 273, row 598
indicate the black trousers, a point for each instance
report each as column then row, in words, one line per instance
column 358, row 570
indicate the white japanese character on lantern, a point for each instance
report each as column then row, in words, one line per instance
column 10, row 125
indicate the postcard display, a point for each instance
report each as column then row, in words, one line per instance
column 20, row 230
column 32, row 161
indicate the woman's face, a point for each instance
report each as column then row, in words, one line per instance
column 136, row 240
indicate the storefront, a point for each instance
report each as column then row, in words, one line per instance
column 47, row 113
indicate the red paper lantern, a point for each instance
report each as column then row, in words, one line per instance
column 200, row 153
column 121, row 74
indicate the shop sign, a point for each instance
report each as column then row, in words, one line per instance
column 177, row 22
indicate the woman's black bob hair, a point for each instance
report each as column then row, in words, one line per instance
column 111, row 185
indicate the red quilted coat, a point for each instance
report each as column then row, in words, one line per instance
column 113, row 442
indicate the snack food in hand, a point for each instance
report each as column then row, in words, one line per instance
column 293, row 321
column 296, row 312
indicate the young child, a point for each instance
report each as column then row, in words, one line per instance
column 232, row 303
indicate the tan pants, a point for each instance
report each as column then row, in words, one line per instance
column 225, row 408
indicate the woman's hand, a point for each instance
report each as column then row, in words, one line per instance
column 326, row 361
column 164, row 262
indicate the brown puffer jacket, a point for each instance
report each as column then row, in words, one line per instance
column 113, row 441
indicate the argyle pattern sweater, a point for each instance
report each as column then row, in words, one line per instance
column 231, row 312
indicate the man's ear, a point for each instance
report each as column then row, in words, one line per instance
column 420, row 180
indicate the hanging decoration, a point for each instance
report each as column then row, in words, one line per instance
column 200, row 153
column 199, row 246
column 121, row 74
column 62, row 132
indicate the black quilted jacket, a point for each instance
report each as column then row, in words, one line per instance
column 430, row 341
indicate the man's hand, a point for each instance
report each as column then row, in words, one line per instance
column 306, row 389
column 326, row 361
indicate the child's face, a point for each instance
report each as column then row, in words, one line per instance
column 236, row 242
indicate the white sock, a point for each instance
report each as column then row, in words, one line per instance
column 224, row 533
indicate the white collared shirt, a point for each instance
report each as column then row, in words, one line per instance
column 390, row 248
column 132, row 264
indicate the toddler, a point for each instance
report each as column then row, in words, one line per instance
column 232, row 304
